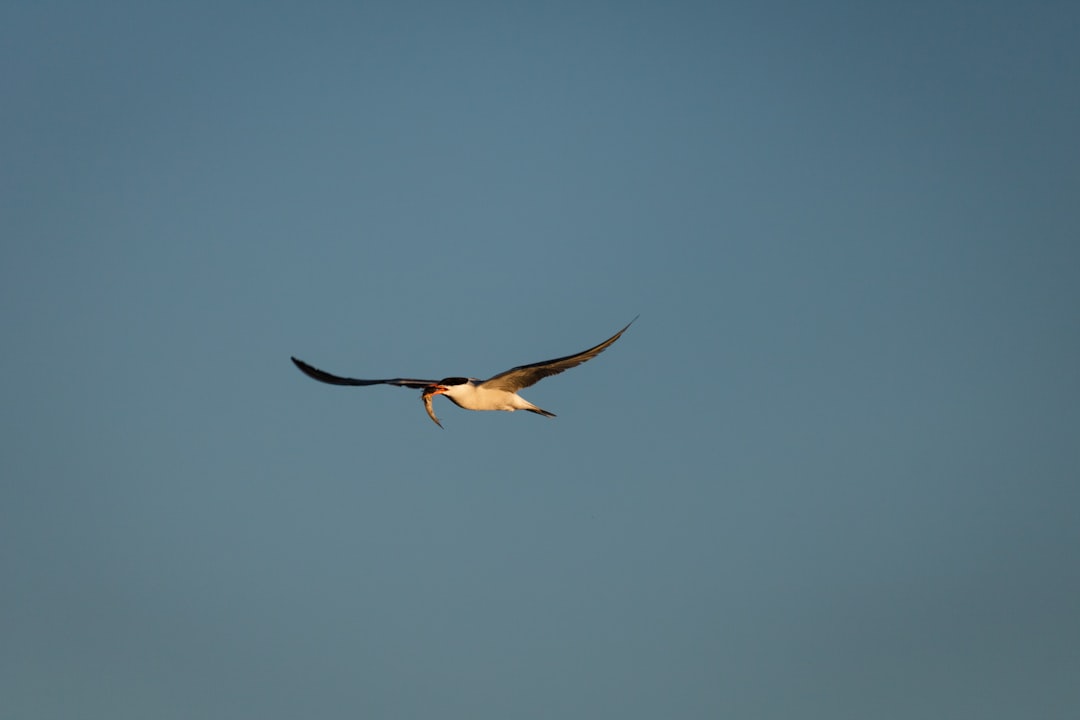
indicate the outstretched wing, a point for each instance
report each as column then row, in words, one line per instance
column 323, row 376
column 522, row 377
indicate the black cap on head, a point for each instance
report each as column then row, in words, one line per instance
column 454, row 381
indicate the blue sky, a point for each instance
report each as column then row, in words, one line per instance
column 832, row 471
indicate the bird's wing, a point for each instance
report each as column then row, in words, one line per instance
column 522, row 377
column 322, row 376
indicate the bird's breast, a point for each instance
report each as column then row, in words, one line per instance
column 472, row 397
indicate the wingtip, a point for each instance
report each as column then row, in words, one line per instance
column 303, row 367
column 627, row 326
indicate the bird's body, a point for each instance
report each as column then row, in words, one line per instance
column 475, row 395
column 496, row 393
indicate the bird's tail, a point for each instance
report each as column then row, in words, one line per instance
column 540, row 411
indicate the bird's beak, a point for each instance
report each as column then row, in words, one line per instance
column 435, row 390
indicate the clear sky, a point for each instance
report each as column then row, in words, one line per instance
column 833, row 471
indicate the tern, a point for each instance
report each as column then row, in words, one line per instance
column 499, row 392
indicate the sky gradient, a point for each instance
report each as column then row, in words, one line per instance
column 832, row 471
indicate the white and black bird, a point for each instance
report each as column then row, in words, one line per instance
column 499, row 392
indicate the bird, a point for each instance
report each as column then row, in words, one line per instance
column 499, row 392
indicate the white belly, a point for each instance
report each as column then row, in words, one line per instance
column 478, row 398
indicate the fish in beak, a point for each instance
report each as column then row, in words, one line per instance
column 430, row 392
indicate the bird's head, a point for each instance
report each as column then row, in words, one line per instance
column 444, row 386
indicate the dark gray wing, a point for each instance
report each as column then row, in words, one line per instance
column 322, row 376
column 522, row 377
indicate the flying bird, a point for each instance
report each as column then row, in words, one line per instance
column 499, row 392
